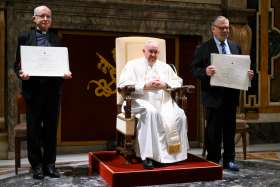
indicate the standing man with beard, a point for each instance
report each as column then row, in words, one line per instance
column 220, row 102
column 42, row 99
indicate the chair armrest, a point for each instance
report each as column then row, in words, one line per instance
column 126, row 92
column 186, row 89
column 179, row 94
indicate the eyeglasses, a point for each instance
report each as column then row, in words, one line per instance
column 222, row 28
column 47, row 17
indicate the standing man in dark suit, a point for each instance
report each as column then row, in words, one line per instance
column 42, row 99
column 220, row 102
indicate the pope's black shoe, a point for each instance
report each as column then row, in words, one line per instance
column 148, row 163
column 51, row 171
column 38, row 172
column 158, row 164
column 231, row 166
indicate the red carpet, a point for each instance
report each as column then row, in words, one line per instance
column 116, row 172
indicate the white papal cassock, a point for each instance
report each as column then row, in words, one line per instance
column 162, row 126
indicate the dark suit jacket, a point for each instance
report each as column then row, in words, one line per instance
column 212, row 96
column 31, row 86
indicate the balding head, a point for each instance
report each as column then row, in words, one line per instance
column 42, row 18
column 38, row 9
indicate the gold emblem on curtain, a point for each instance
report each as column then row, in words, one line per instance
column 104, row 87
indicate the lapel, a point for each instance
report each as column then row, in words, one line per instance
column 232, row 47
column 213, row 46
column 52, row 38
column 32, row 38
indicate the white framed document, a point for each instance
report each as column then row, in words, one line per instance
column 44, row 61
column 231, row 71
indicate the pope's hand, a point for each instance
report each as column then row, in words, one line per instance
column 155, row 84
column 159, row 84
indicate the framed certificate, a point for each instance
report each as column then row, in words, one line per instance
column 44, row 61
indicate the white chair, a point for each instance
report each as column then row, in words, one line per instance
column 128, row 48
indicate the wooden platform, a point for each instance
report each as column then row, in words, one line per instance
column 114, row 169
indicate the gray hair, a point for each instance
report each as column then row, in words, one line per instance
column 219, row 19
column 37, row 9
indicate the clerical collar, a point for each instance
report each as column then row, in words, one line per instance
column 41, row 32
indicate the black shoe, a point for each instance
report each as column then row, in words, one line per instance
column 148, row 164
column 51, row 171
column 158, row 164
column 231, row 166
column 38, row 172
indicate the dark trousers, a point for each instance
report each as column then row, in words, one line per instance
column 42, row 116
column 221, row 125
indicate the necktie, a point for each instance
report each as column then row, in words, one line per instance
column 223, row 45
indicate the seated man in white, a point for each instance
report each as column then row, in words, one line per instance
column 162, row 127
